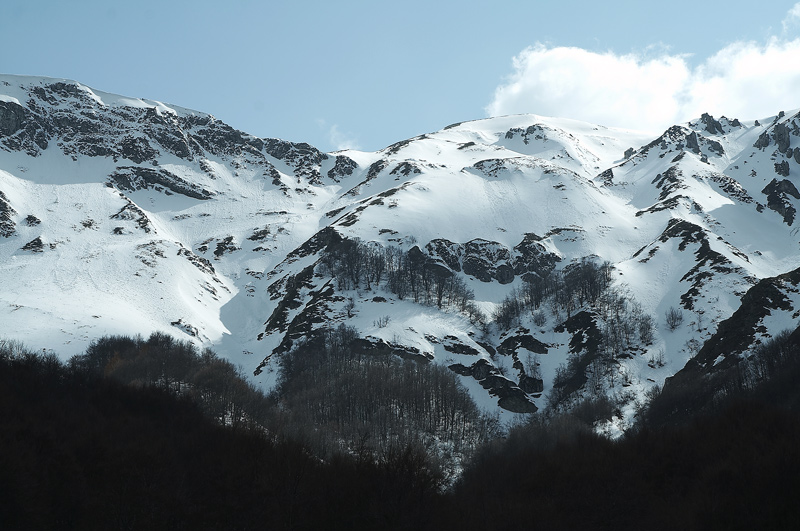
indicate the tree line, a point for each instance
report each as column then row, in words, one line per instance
column 79, row 450
column 768, row 373
column 581, row 297
column 332, row 396
column 338, row 394
column 222, row 391
column 407, row 274
column 83, row 451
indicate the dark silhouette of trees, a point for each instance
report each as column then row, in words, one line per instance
column 768, row 373
column 580, row 284
column 161, row 361
column 339, row 396
column 734, row 470
column 358, row 265
column 80, row 450
column 581, row 298
column 673, row 317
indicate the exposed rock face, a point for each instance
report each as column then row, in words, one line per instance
column 343, row 167
column 132, row 178
column 131, row 212
column 450, row 253
column 488, row 261
column 510, row 345
column 35, row 246
column 226, row 245
column 12, row 118
column 782, row 137
column 405, row 169
column 681, row 137
column 712, row 126
column 715, row 147
column 19, row 132
column 608, row 175
column 777, row 198
column 586, row 336
column 7, row 225
column 304, row 158
column 763, row 141
column 71, row 115
column 692, row 143
column 482, row 259
column 535, row 131
column 510, row 396
column 375, row 168
column 533, row 257
column 782, row 168
column 531, row 385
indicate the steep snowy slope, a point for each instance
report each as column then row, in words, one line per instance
column 120, row 215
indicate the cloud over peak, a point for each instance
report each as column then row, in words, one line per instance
column 651, row 92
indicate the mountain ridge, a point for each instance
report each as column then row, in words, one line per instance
column 108, row 202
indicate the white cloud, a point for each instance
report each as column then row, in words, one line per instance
column 792, row 18
column 615, row 90
column 744, row 80
column 747, row 80
column 338, row 139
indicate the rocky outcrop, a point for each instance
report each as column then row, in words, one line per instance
column 131, row 212
column 132, row 178
column 20, row 131
column 482, row 259
column 510, row 396
column 225, row 246
column 781, row 133
column 304, row 158
column 778, row 193
column 487, row 261
column 531, row 256
column 712, row 126
column 34, row 246
column 12, row 118
column 782, row 168
column 531, row 385
column 405, row 169
column 7, row 225
column 512, row 344
column 678, row 137
column 763, row 141
column 692, row 142
column 490, row 261
column 343, row 167
column 535, row 131
column 70, row 115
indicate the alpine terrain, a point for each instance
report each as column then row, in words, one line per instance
column 543, row 260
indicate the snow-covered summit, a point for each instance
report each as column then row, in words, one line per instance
column 122, row 215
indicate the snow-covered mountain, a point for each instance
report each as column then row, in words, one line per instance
column 537, row 257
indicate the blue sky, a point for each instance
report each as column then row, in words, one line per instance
column 367, row 73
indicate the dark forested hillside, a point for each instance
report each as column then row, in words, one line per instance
column 83, row 451
column 737, row 469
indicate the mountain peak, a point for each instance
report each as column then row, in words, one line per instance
column 537, row 257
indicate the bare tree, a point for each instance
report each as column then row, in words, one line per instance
column 674, row 317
